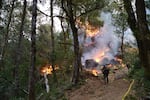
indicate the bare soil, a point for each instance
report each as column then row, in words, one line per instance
column 95, row 88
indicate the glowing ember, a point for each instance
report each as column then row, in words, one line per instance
column 95, row 72
column 47, row 69
column 97, row 59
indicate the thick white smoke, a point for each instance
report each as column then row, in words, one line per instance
column 103, row 46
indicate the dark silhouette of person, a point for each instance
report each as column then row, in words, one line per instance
column 105, row 72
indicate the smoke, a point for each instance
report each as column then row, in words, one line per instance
column 129, row 38
column 102, row 47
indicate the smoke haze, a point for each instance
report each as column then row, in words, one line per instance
column 103, row 46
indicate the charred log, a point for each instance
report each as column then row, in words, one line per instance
column 90, row 63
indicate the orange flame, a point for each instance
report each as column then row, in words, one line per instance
column 99, row 56
column 47, row 69
column 91, row 30
column 95, row 72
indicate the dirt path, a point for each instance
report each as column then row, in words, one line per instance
column 95, row 89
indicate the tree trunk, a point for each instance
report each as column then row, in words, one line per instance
column 4, row 45
column 122, row 44
column 18, row 50
column 1, row 4
column 64, row 32
column 141, row 32
column 77, row 58
column 143, row 37
column 33, row 52
column 53, row 45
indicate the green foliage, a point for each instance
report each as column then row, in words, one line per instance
column 65, row 53
column 147, row 3
column 94, row 20
column 141, row 86
column 63, row 57
column 43, row 44
column 44, row 47
column 131, row 56
column 90, row 11
column 7, row 74
column 136, row 72
column 7, row 83
column 130, row 97
column 56, row 89
column 119, row 16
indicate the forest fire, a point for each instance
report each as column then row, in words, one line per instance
column 47, row 69
column 100, row 46
column 95, row 72
column 99, row 55
column 96, row 69
column 91, row 66
column 91, row 31
column 44, row 71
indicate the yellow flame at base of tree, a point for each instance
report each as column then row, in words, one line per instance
column 47, row 69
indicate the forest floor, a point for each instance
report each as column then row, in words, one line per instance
column 94, row 88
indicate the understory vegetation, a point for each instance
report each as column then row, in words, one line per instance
column 141, row 87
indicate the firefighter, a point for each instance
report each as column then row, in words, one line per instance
column 105, row 71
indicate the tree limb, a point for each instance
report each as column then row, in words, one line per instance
column 88, row 11
column 65, row 43
column 61, row 17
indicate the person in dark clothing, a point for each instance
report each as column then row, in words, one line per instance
column 105, row 72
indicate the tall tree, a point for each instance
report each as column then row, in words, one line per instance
column 4, row 46
column 77, row 61
column 85, row 11
column 31, row 87
column 139, row 25
column 18, row 50
column 63, row 30
column 1, row 3
column 52, row 38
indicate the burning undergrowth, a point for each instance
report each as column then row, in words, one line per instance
column 47, row 69
column 100, row 46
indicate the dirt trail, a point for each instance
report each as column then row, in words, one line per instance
column 95, row 89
